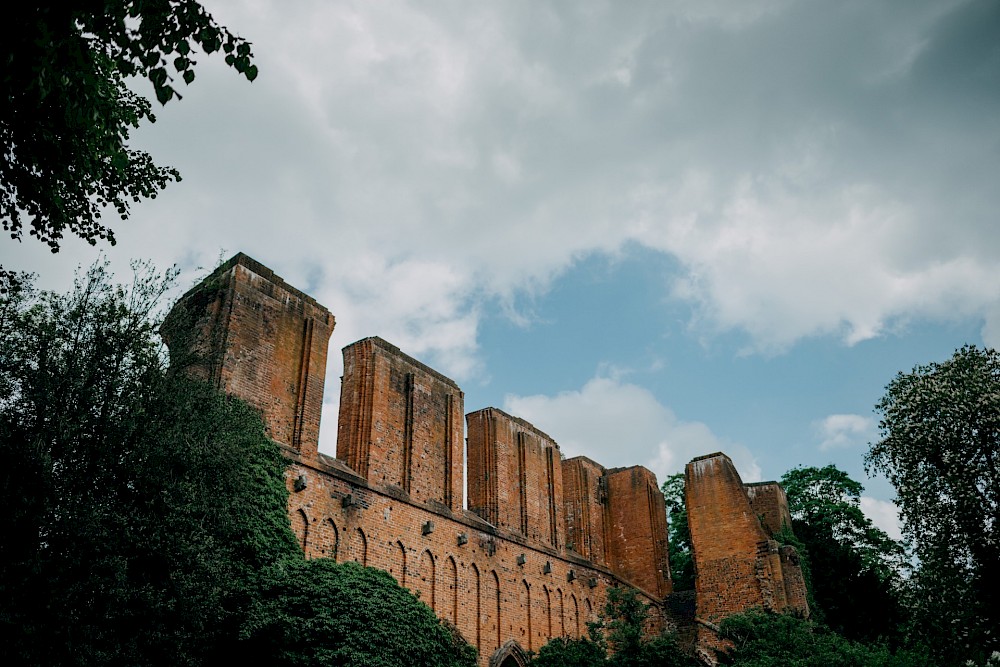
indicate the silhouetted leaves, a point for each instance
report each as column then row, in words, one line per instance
column 67, row 113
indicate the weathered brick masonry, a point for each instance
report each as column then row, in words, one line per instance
column 738, row 563
column 543, row 537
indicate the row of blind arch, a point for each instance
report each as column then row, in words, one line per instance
column 542, row 615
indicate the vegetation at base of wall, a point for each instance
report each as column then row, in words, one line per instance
column 616, row 639
column 567, row 652
column 765, row 639
column 317, row 612
column 145, row 514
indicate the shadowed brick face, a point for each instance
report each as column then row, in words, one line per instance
column 770, row 504
column 586, row 495
column 515, row 477
column 392, row 499
column 401, row 423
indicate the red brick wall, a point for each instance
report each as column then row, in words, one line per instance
column 638, row 522
column 725, row 538
column 261, row 339
column 515, row 474
column 392, row 498
column 477, row 581
column 400, row 423
column 770, row 504
column 738, row 566
column 585, row 496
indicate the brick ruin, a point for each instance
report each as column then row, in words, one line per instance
column 539, row 540
column 739, row 564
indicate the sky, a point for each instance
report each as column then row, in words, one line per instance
column 655, row 230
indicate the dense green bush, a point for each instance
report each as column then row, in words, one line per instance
column 318, row 612
column 764, row 639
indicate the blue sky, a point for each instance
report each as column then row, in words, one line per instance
column 654, row 229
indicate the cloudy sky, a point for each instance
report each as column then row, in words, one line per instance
column 653, row 229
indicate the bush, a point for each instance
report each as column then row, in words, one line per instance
column 318, row 613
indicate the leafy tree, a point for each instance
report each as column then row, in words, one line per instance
column 828, row 499
column 67, row 112
column 140, row 507
column 858, row 590
column 679, row 535
column 940, row 448
column 319, row 613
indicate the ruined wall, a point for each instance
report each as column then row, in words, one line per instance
column 638, row 525
column 392, row 498
column 585, row 494
column 493, row 586
column 247, row 331
column 769, row 502
column 400, row 423
column 737, row 564
column 515, row 477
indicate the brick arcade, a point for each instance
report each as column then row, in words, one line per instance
column 541, row 538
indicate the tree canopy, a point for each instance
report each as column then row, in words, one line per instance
column 856, row 569
column 940, row 448
column 140, row 506
column 67, row 112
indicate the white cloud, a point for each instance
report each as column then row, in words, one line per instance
column 409, row 163
column 883, row 514
column 843, row 431
column 621, row 424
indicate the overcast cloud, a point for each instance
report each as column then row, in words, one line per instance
column 814, row 169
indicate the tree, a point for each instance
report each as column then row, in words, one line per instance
column 140, row 507
column 67, row 112
column 858, row 591
column 319, row 613
column 678, row 534
column 940, row 448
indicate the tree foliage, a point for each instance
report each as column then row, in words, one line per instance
column 567, row 652
column 67, row 111
column 855, row 570
column 678, row 534
column 139, row 506
column 940, row 448
column 829, row 501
